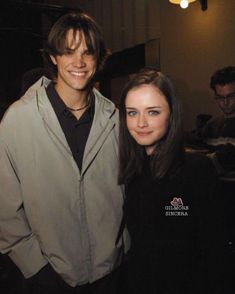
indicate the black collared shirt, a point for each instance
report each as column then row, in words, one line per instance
column 76, row 130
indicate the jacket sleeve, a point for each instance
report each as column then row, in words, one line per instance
column 16, row 237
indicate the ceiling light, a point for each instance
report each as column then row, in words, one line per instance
column 183, row 3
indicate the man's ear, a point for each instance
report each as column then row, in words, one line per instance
column 53, row 59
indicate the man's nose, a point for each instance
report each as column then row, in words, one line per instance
column 78, row 59
column 226, row 100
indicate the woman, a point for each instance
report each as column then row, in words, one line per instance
column 172, row 210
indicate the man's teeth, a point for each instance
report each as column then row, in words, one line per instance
column 78, row 74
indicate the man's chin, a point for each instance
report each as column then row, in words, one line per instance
column 229, row 113
column 88, row 85
column 85, row 88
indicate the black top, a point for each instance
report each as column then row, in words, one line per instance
column 218, row 137
column 229, row 127
column 176, row 231
column 76, row 131
column 219, row 127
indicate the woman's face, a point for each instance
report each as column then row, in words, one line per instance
column 147, row 115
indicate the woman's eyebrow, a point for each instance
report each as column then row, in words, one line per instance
column 150, row 107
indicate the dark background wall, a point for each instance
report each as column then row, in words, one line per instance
column 23, row 30
column 189, row 45
column 20, row 38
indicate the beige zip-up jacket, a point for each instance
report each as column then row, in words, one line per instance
column 49, row 210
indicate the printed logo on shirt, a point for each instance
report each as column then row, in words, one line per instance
column 177, row 202
column 177, row 208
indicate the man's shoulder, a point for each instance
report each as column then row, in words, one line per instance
column 196, row 159
column 101, row 98
column 35, row 89
column 104, row 104
column 217, row 120
column 22, row 107
column 213, row 127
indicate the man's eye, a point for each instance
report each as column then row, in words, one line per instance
column 88, row 52
column 69, row 51
column 231, row 96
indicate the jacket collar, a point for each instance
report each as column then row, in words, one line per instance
column 103, row 122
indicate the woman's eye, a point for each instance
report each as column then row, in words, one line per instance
column 131, row 113
column 153, row 112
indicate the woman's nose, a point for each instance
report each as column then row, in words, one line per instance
column 142, row 121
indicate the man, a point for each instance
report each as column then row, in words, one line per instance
column 219, row 132
column 219, row 136
column 61, row 206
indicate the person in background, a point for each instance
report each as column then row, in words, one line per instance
column 61, row 204
column 218, row 136
column 172, row 207
column 219, row 132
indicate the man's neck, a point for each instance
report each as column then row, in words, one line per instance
column 73, row 98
